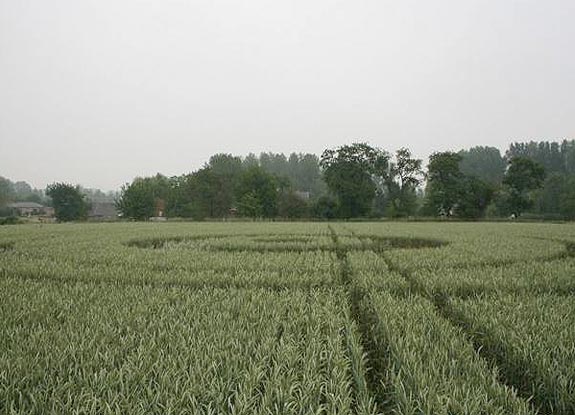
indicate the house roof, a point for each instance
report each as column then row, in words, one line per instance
column 103, row 209
column 25, row 205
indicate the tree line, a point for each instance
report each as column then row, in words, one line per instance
column 268, row 186
column 358, row 180
column 362, row 181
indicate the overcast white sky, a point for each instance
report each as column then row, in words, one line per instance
column 98, row 92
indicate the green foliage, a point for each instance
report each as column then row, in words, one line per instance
column 301, row 170
column 354, row 189
column 250, row 205
column 524, row 174
column 567, row 199
column 326, row 207
column 20, row 192
column 140, row 199
column 570, row 158
column 522, row 177
column 444, row 179
column 178, row 203
column 475, row 197
column 399, row 184
column 292, row 206
column 227, row 182
column 211, row 193
column 9, row 220
column 485, row 163
column 257, row 193
column 348, row 172
column 225, row 165
column 226, row 171
column 553, row 156
column 364, row 181
column 556, row 197
column 6, row 191
column 549, row 198
column 251, row 160
column 406, row 170
column 450, row 192
column 68, row 201
column 401, row 202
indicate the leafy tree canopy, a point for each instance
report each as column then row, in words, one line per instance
column 522, row 177
column 443, row 182
column 140, row 199
column 349, row 172
column 6, row 191
column 524, row 174
column 399, row 184
column 555, row 157
column 485, row 163
column 257, row 193
column 68, row 201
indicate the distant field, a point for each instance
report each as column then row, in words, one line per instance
column 297, row 318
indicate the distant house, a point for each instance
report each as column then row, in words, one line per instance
column 49, row 211
column 302, row 195
column 29, row 209
column 103, row 211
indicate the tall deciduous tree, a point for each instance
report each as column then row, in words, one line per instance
column 549, row 198
column 302, row 170
column 569, row 157
column 292, row 206
column 325, row 207
column 401, row 182
column 522, row 177
column 443, row 183
column 474, row 197
column 348, row 172
column 550, row 155
column 210, row 194
column 449, row 191
column 68, row 201
column 6, row 191
column 139, row 199
column 524, row 174
column 485, row 163
column 225, row 171
column 257, row 193
column 567, row 199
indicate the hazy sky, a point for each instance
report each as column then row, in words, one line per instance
column 98, row 92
